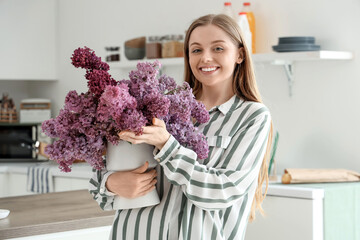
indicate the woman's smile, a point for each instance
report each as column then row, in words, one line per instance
column 209, row 69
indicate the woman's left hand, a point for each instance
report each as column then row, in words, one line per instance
column 156, row 134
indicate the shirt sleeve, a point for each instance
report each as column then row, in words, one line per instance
column 235, row 173
column 98, row 190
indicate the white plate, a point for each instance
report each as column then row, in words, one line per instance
column 4, row 213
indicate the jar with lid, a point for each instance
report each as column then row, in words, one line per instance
column 173, row 46
column 112, row 54
column 153, row 47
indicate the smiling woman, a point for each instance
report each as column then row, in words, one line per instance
column 212, row 57
column 210, row 198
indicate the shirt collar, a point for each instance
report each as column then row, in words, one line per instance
column 225, row 107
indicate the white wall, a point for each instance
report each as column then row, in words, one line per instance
column 319, row 125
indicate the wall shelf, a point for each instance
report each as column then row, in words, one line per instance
column 285, row 59
column 301, row 56
column 129, row 64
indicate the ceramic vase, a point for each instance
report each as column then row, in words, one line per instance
column 126, row 156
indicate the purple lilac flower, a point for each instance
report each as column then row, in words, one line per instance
column 86, row 58
column 188, row 135
column 48, row 127
column 89, row 120
column 199, row 112
column 157, row 106
column 98, row 81
column 113, row 102
column 73, row 102
column 132, row 120
column 166, row 84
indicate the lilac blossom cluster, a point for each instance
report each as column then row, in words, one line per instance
column 89, row 120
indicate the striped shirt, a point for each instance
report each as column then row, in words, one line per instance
column 200, row 199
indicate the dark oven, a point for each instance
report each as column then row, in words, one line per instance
column 19, row 142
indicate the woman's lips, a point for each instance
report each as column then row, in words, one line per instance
column 208, row 69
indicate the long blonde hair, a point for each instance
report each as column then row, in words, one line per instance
column 244, row 86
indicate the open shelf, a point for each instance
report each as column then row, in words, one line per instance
column 127, row 64
column 285, row 59
column 301, row 56
column 273, row 57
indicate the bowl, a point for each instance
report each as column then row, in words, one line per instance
column 136, row 42
column 132, row 53
column 4, row 213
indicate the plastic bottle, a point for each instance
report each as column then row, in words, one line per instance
column 251, row 19
column 228, row 10
column 245, row 29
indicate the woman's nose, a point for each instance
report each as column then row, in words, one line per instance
column 206, row 56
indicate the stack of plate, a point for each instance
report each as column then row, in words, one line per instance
column 296, row 44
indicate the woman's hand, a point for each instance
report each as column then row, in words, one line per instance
column 132, row 184
column 156, row 134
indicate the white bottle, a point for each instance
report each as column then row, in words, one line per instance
column 228, row 10
column 245, row 30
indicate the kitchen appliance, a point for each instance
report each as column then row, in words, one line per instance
column 19, row 142
column 35, row 110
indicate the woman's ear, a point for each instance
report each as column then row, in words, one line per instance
column 241, row 56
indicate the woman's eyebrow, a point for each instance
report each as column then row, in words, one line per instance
column 216, row 41
column 194, row 43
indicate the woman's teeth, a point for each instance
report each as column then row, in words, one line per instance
column 208, row 69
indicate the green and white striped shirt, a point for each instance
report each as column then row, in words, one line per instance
column 200, row 199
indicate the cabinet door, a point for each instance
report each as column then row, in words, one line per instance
column 4, row 183
column 288, row 218
column 18, row 185
column 28, row 39
column 68, row 184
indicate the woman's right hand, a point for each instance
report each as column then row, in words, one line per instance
column 134, row 183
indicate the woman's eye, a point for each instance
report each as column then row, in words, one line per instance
column 219, row 49
column 195, row 51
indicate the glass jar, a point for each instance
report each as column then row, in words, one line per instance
column 153, row 47
column 112, row 54
column 173, row 46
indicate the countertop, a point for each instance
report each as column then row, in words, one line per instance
column 79, row 170
column 50, row 213
column 84, row 171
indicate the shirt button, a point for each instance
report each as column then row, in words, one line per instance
column 158, row 160
column 102, row 190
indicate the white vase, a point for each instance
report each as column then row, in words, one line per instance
column 126, row 156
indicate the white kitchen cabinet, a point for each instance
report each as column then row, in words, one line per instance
column 288, row 218
column 28, row 39
column 13, row 179
column 313, row 211
column 3, row 186
column 67, row 184
column 17, row 184
column 99, row 233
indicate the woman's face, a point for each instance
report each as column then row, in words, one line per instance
column 212, row 56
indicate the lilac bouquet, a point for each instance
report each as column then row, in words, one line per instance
column 89, row 120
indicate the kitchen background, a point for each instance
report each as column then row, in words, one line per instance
column 318, row 126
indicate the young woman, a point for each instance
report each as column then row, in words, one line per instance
column 201, row 199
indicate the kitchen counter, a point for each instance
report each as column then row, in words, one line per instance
column 79, row 170
column 50, row 213
column 295, row 191
column 313, row 211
